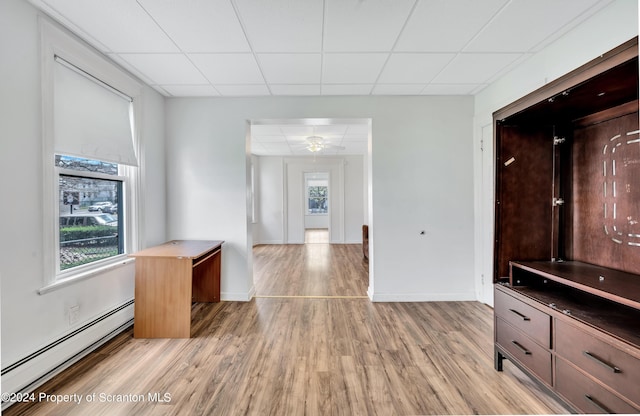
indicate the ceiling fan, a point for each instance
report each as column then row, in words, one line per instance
column 317, row 144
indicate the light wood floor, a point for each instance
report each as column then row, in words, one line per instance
column 314, row 269
column 305, row 355
column 316, row 235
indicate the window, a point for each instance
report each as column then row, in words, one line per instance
column 91, row 226
column 317, row 185
column 90, row 152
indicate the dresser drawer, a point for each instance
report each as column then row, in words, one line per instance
column 613, row 367
column 536, row 358
column 587, row 395
column 530, row 320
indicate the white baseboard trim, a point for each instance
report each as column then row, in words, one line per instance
column 35, row 369
column 422, row 297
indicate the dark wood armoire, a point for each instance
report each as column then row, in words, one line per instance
column 567, row 235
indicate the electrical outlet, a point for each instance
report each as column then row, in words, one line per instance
column 74, row 312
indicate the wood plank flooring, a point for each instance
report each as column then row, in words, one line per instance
column 310, row 270
column 304, row 356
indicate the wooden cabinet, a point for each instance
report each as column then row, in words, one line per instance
column 169, row 277
column 597, row 357
column 586, row 395
column 531, row 321
column 567, row 235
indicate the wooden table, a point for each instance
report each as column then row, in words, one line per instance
column 169, row 277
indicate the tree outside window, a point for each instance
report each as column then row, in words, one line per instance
column 317, row 185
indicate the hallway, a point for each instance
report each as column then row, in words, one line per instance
column 316, row 269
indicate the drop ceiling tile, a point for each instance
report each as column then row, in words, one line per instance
column 278, row 147
column 413, row 68
column 356, row 68
column 446, row 25
column 170, row 69
column 282, row 25
column 243, row 90
column 397, row 89
column 191, row 90
column 297, row 142
column 257, row 148
column 120, row 25
column 291, row 68
column 346, row 89
column 358, row 148
column 199, row 25
column 449, row 89
column 269, row 139
column 132, row 69
column 333, row 130
column 228, row 68
column 297, row 130
column 364, row 26
column 295, row 89
column 475, row 68
column 524, row 24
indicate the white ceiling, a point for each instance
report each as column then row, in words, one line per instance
column 291, row 139
column 319, row 47
column 233, row 48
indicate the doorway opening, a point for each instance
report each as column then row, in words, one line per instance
column 317, row 222
column 309, row 196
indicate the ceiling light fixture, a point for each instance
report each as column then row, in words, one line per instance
column 316, row 144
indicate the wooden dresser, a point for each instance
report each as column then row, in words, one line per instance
column 567, row 235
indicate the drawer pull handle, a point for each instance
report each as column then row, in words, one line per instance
column 524, row 317
column 597, row 404
column 521, row 348
column 600, row 361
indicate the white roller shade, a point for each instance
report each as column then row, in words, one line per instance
column 91, row 119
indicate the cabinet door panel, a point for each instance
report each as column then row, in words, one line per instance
column 523, row 205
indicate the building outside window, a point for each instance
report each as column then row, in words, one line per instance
column 91, row 223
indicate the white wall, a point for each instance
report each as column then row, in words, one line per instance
column 31, row 321
column 316, row 221
column 255, row 226
column 272, row 184
column 422, row 179
column 612, row 26
column 295, row 168
column 271, row 213
column 355, row 198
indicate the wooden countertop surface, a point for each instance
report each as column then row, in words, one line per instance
column 190, row 249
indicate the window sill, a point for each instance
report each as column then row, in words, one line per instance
column 58, row 284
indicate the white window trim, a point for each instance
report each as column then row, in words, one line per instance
column 55, row 40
